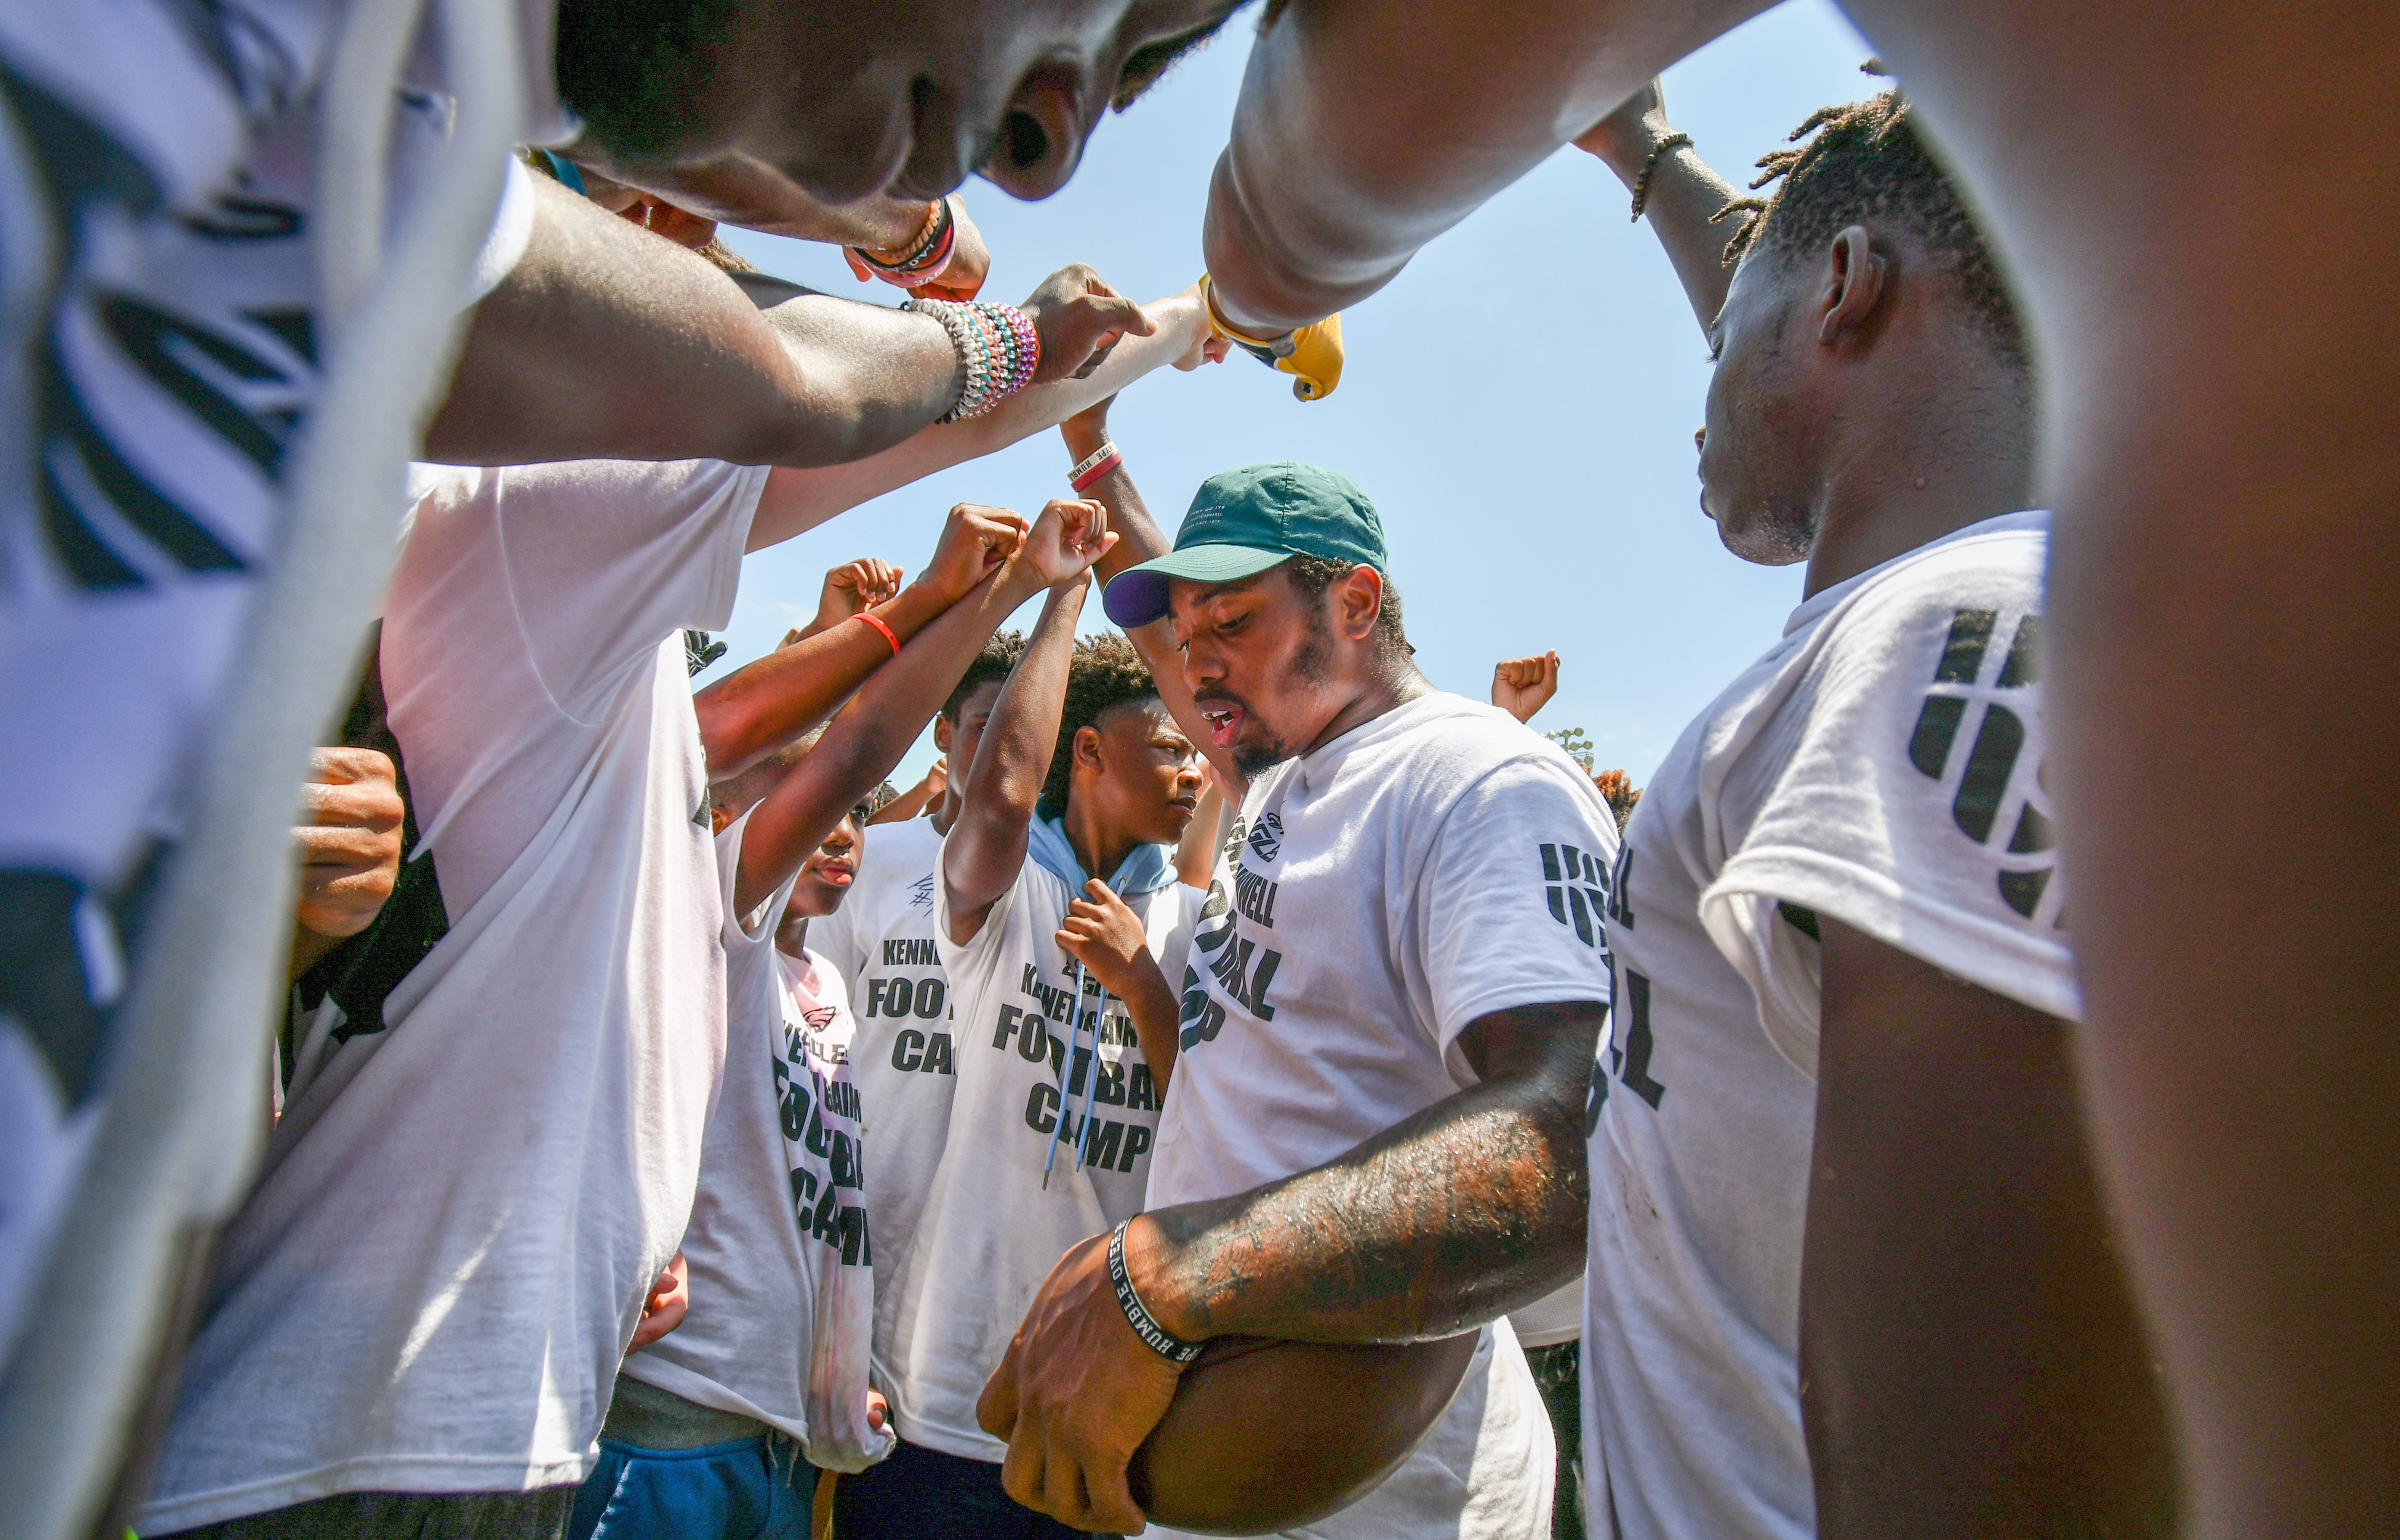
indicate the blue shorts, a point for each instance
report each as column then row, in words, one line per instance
column 919, row 1493
column 747, row 1490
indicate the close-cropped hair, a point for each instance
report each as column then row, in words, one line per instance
column 1864, row 162
column 1312, row 575
column 1106, row 673
column 998, row 657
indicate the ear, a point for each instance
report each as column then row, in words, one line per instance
column 1086, row 748
column 1856, row 276
column 941, row 733
column 1358, row 599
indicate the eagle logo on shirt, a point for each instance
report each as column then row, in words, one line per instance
column 1266, row 839
column 2000, row 802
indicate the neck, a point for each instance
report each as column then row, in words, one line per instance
column 946, row 813
column 1386, row 692
column 1929, row 462
column 792, row 935
column 1101, row 849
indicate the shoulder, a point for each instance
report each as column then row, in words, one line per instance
column 1969, row 582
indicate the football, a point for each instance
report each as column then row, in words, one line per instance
column 1264, row 1435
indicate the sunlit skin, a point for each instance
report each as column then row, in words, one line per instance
column 852, row 100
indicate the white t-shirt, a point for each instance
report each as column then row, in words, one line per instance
column 478, row 1176
column 1882, row 764
column 904, row 1056
column 159, row 360
column 779, row 1250
column 990, row 1232
column 1443, row 864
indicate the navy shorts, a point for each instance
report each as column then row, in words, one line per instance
column 747, row 1490
column 919, row 1493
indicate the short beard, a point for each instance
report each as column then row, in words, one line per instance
column 1306, row 668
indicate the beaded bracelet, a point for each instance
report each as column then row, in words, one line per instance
column 998, row 343
column 1650, row 165
column 927, row 253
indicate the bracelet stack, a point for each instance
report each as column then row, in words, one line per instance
column 996, row 343
column 1092, row 467
column 1174, row 1349
column 924, row 257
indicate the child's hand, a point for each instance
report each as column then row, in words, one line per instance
column 879, row 1412
column 1103, row 933
column 1067, row 539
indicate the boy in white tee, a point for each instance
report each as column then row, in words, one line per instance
column 1390, row 1012
column 881, row 940
column 773, row 1349
column 1849, row 1273
column 1059, row 905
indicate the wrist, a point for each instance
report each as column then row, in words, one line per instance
column 1154, row 1265
column 1627, row 149
column 1082, row 435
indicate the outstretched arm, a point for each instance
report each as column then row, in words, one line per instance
column 607, row 341
column 1963, row 1378
column 986, row 845
column 764, row 705
column 1681, row 197
column 1360, row 137
column 797, row 500
column 872, row 732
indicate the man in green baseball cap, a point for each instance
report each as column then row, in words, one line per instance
column 1395, row 991
column 1244, row 522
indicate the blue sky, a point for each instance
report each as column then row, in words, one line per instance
column 1527, row 441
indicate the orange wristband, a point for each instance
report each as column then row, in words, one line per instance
column 876, row 622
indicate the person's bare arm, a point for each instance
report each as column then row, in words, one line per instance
column 1360, row 136
column 797, row 500
column 1368, row 1247
column 1971, row 1360
column 1682, row 201
column 1446, row 1220
column 985, row 846
column 885, row 718
column 1139, row 540
column 606, row 341
column 759, row 708
column 349, row 849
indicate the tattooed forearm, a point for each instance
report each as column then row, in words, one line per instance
column 1468, row 1209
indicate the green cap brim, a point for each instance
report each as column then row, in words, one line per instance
column 1138, row 595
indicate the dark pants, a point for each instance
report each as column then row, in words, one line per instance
column 922, row 1494
column 536, row 1515
column 1558, row 1371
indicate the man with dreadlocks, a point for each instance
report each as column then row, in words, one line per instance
column 1840, row 930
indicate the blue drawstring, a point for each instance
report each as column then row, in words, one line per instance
column 1067, row 1069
